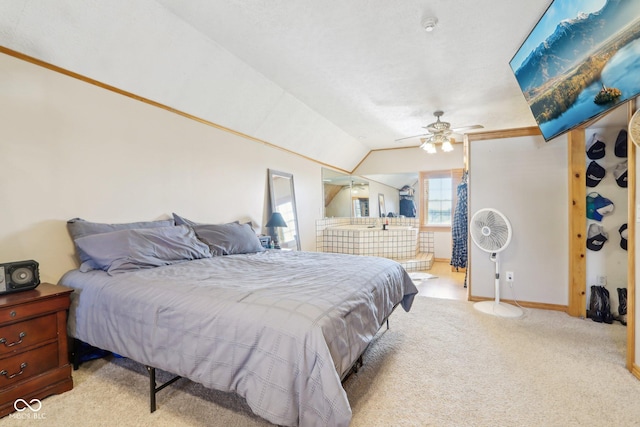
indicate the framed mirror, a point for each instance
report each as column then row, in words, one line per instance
column 283, row 202
column 381, row 207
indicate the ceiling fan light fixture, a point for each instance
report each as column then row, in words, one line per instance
column 439, row 132
column 429, row 147
column 429, row 24
column 440, row 138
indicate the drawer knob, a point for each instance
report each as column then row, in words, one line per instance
column 20, row 337
column 5, row 373
column 13, row 313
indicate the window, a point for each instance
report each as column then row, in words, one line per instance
column 439, row 201
column 438, row 196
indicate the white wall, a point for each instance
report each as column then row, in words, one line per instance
column 152, row 52
column 526, row 179
column 410, row 160
column 71, row 149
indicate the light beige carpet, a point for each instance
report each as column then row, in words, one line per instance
column 442, row 364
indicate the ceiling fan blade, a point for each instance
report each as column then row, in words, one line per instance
column 463, row 128
column 414, row 136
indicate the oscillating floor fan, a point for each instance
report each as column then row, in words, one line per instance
column 491, row 231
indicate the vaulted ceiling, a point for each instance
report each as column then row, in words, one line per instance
column 330, row 80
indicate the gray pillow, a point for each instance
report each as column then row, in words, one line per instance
column 135, row 249
column 183, row 221
column 180, row 220
column 80, row 228
column 229, row 239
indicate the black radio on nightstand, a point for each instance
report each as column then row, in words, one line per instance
column 19, row 276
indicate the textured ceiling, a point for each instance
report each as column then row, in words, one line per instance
column 369, row 66
column 330, row 80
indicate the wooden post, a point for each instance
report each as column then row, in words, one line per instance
column 577, row 224
column 631, row 250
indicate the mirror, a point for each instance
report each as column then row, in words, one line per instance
column 349, row 195
column 283, row 201
column 381, row 207
column 345, row 195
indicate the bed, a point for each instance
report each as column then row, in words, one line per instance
column 279, row 328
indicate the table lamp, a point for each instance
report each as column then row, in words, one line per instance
column 276, row 221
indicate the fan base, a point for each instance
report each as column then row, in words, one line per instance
column 499, row 309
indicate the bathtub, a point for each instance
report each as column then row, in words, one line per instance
column 371, row 228
column 396, row 242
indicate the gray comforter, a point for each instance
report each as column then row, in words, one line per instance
column 279, row 328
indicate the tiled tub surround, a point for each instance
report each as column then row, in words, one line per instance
column 402, row 240
column 397, row 242
column 365, row 227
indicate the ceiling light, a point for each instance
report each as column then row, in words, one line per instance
column 429, row 144
column 429, row 24
column 439, row 138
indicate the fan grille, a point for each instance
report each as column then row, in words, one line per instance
column 490, row 230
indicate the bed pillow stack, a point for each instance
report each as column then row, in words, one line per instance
column 225, row 239
column 133, row 246
column 79, row 228
column 135, row 249
column 139, row 245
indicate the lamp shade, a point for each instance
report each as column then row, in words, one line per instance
column 276, row 220
column 446, row 146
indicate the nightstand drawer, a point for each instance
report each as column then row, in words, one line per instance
column 19, row 312
column 20, row 335
column 28, row 364
column 33, row 344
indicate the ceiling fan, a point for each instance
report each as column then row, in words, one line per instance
column 439, row 131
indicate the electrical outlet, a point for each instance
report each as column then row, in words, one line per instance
column 509, row 276
column 602, row 280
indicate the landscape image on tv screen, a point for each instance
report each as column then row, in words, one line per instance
column 580, row 60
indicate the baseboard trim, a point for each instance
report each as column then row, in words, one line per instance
column 635, row 370
column 527, row 304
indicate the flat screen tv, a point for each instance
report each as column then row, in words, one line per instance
column 580, row 60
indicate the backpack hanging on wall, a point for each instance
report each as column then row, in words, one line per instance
column 622, row 305
column 599, row 305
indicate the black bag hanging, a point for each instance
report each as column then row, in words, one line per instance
column 599, row 305
column 595, row 305
column 607, row 316
column 622, row 305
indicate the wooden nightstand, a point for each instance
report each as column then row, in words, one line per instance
column 34, row 358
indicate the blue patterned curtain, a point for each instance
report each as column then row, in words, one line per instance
column 459, row 228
